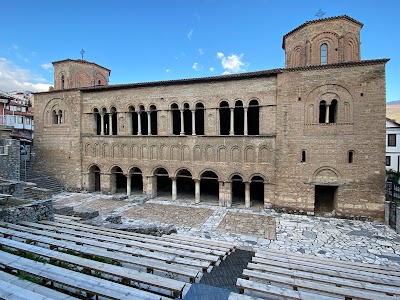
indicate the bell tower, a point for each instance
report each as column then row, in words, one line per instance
column 323, row 41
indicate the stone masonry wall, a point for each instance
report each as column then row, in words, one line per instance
column 9, row 163
column 58, row 146
column 362, row 130
column 32, row 212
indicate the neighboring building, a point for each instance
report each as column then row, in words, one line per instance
column 299, row 138
column 17, row 116
column 392, row 145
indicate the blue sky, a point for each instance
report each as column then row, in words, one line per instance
column 150, row 40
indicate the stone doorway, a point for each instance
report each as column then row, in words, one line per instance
column 118, row 181
column 325, row 198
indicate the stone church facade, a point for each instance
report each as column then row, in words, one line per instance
column 309, row 137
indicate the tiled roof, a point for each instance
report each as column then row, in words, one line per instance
column 82, row 61
column 320, row 21
column 340, row 65
column 248, row 75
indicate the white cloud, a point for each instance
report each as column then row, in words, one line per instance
column 201, row 51
column 226, row 73
column 189, row 35
column 16, row 47
column 46, row 66
column 14, row 78
column 212, row 69
column 176, row 57
column 167, row 70
column 232, row 63
column 195, row 66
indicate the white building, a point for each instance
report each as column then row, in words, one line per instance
column 17, row 116
column 392, row 145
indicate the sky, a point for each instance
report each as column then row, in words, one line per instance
column 151, row 40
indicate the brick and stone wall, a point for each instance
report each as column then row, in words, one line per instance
column 31, row 212
column 10, row 160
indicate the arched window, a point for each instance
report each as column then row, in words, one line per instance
column 187, row 119
column 253, row 119
column 153, row 118
column 324, row 54
column 97, row 121
column 333, row 111
column 133, row 122
column 224, row 118
column 322, row 111
column 328, row 112
column 62, row 82
column 239, row 118
column 99, row 82
column 60, row 117
column 143, row 120
column 114, row 120
column 176, row 119
column 199, row 119
column 54, row 117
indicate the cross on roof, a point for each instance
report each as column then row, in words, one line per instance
column 320, row 13
column 82, row 52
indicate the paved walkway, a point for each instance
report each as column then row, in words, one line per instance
column 250, row 229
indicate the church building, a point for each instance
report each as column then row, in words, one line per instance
column 307, row 138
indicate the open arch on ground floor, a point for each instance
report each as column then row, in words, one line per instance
column 209, row 187
column 117, row 180
column 257, row 186
column 163, row 183
column 184, row 184
column 237, row 190
column 136, row 181
column 94, row 179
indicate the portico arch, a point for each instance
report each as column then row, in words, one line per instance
column 209, row 187
column 257, row 188
column 185, row 184
column 94, row 179
column 237, row 190
column 117, row 180
column 136, row 180
column 163, row 182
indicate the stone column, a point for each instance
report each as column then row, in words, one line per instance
column 232, row 128
column 128, row 185
column 193, row 122
column 327, row 114
column 150, row 186
column 105, row 179
column 182, row 124
column 174, row 192
column 110, row 131
column 139, row 124
column 148, row 123
column 196, row 191
column 247, row 194
column 102, row 124
column 245, row 121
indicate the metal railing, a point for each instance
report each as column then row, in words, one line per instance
column 393, row 196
